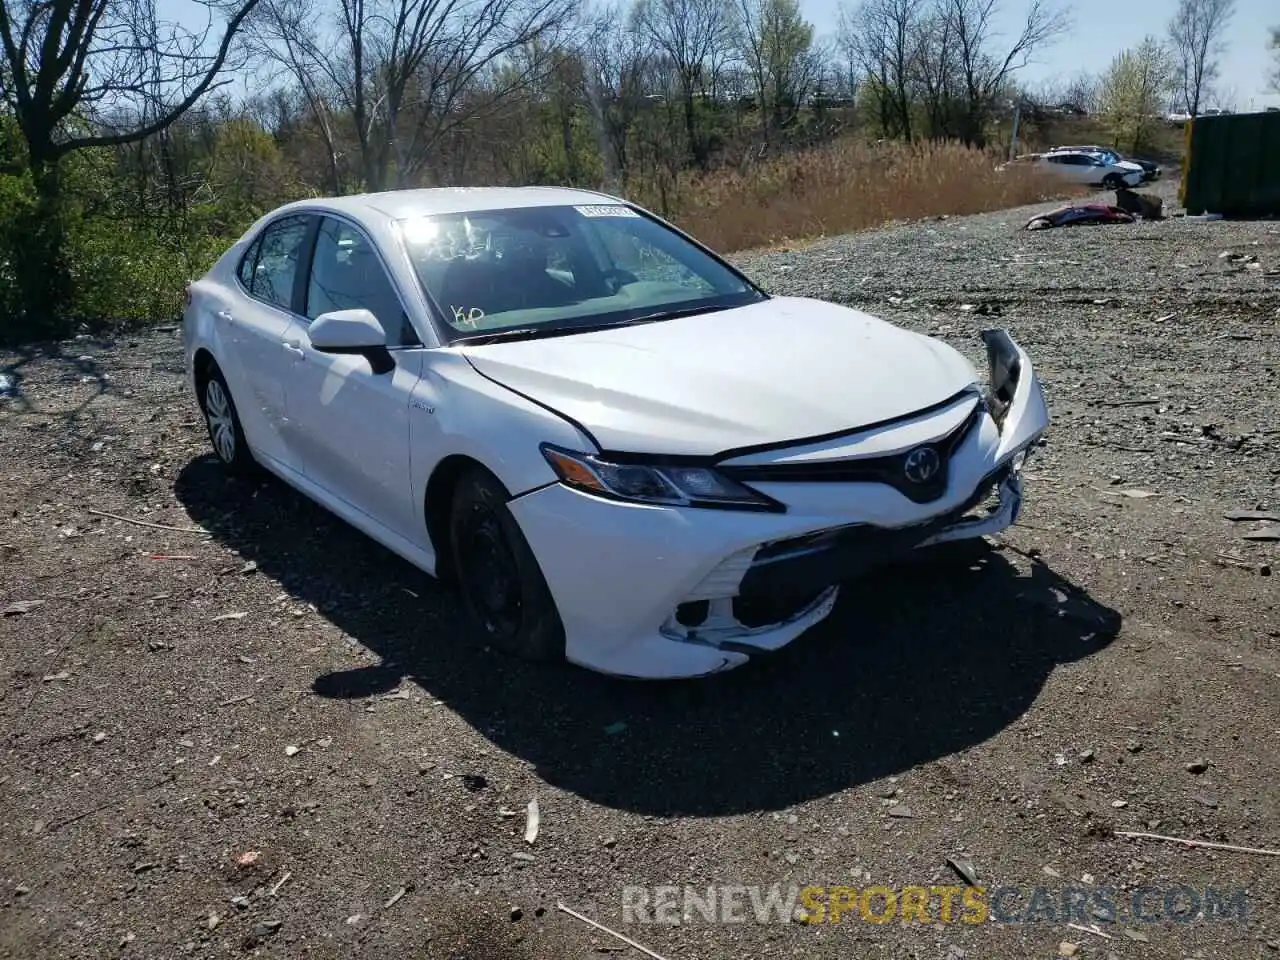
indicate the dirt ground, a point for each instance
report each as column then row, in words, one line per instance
column 281, row 686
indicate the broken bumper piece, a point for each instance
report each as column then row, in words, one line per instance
column 623, row 587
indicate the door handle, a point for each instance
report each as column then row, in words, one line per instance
column 293, row 348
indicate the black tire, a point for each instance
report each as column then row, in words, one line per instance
column 222, row 421
column 1113, row 181
column 503, row 590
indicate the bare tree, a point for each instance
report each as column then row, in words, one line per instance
column 404, row 71
column 883, row 36
column 776, row 44
column 1274, row 46
column 95, row 73
column 1195, row 35
column 1134, row 89
column 617, row 61
column 695, row 36
column 985, row 69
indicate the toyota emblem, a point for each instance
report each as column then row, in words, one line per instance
column 922, row 464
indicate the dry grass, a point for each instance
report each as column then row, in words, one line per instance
column 844, row 187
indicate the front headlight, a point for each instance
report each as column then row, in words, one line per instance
column 665, row 484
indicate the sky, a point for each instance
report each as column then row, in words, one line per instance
column 1105, row 27
column 1102, row 28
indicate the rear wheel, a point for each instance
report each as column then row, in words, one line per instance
column 503, row 590
column 1113, row 181
column 225, row 433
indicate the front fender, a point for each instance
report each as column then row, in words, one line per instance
column 1013, row 382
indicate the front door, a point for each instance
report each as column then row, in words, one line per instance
column 348, row 421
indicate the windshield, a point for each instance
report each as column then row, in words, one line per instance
column 539, row 271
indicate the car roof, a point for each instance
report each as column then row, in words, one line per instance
column 404, row 204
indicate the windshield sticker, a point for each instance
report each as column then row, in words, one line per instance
column 606, row 210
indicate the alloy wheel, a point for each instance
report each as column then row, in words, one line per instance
column 222, row 428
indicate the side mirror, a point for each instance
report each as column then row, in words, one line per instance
column 352, row 331
column 347, row 331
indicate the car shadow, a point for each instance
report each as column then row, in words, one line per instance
column 908, row 669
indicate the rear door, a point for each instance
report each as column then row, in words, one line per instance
column 348, row 413
column 258, row 322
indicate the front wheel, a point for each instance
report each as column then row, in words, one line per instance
column 503, row 590
column 1113, row 181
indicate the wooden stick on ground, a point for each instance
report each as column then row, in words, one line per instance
column 1261, row 851
column 613, row 933
column 146, row 523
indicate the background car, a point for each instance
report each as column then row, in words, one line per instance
column 1092, row 169
column 621, row 450
column 1151, row 169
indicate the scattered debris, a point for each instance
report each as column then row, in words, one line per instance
column 1090, row 929
column 1136, row 494
column 1119, row 804
column 1260, row 851
column 1087, row 756
column 147, row 523
column 615, row 728
column 60, row 675
column 291, row 750
column 532, row 821
column 249, row 858
column 395, row 898
column 239, row 615
column 474, row 782
column 901, row 810
column 1198, row 766
column 280, row 883
column 613, row 933
column 1136, row 935
column 965, row 869
column 1269, row 534
column 1081, row 214
column 1068, row 949
column 516, row 914
column 19, row 607
column 240, row 699
column 250, row 566
column 523, row 857
column 1252, row 515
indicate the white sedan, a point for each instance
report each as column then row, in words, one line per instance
column 1092, row 169
column 621, row 450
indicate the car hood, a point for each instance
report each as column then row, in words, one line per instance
column 780, row 370
column 1130, row 165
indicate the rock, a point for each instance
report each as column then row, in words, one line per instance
column 1198, row 766
column 1068, row 949
column 291, row 750
column 516, row 914
column 1049, row 871
column 19, row 607
column 1087, row 756
column 21, row 890
column 474, row 782
column 267, row 928
column 1119, row 803
column 901, row 810
column 610, row 843
column 99, row 737
column 1134, row 746
column 240, row 903
column 1137, row 935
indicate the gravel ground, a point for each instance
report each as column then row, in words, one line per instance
column 285, row 687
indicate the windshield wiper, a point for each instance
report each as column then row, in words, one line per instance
column 512, row 333
column 671, row 314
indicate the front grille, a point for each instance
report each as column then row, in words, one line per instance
column 889, row 469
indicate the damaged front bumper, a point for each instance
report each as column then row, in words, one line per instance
column 662, row 592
